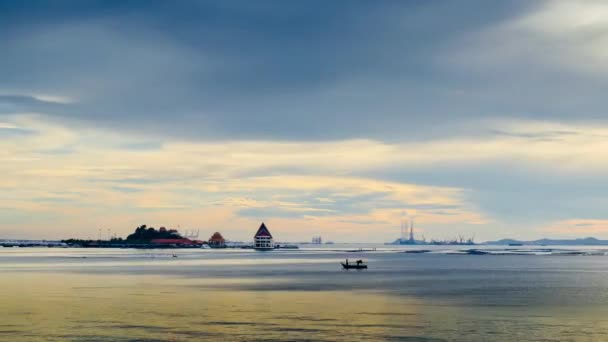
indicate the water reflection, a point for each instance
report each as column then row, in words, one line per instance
column 93, row 307
column 294, row 296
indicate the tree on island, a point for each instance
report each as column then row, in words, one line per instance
column 145, row 234
column 142, row 235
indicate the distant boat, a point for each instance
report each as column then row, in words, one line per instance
column 358, row 265
column 516, row 244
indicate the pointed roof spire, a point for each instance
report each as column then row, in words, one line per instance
column 263, row 231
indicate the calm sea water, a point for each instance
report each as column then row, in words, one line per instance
column 237, row 295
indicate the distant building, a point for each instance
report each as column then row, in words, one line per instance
column 263, row 239
column 217, row 241
column 317, row 240
column 404, row 227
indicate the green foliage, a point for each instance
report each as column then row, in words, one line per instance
column 145, row 234
column 142, row 235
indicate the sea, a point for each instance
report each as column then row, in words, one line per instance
column 445, row 294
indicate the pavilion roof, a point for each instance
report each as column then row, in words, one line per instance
column 263, row 231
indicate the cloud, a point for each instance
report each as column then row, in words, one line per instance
column 335, row 182
column 576, row 227
column 205, row 111
column 7, row 126
column 181, row 178
column 53, row 98
column 211, row 71
column 558, row 35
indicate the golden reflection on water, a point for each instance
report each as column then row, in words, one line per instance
column 64, row 306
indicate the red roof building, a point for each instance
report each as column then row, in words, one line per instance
column 217, row 240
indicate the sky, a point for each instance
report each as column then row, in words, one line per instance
column 478, row 118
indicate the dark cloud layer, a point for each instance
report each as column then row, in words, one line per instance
column 271, row 70
column 475, row 74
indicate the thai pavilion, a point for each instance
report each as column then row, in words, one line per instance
column 263, row 239
column 217, row 241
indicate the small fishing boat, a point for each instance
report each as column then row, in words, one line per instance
column 358, row 265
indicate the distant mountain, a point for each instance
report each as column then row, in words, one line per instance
column 590, row 241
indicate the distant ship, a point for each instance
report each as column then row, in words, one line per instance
column 460, row 241
column 402, row 240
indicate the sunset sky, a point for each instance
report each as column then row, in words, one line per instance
column 332, row 118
